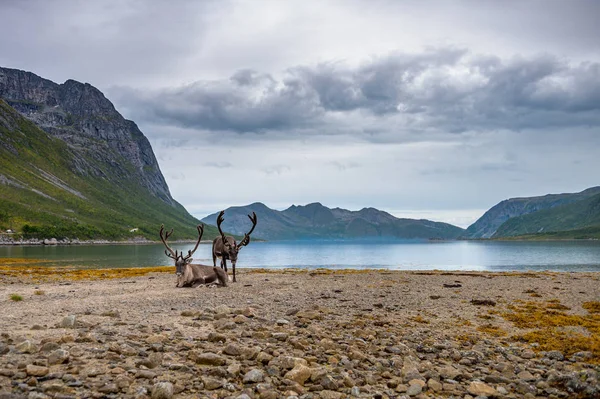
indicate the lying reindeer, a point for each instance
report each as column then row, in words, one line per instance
column 188, row 274
column 225, row 247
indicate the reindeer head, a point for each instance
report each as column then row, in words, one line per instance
column 230, row 247
column 180, row 261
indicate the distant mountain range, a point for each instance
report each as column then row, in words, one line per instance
column 568, row 215
column 72, row 166
column 315, row 221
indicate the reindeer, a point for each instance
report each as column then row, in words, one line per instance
column 188, row 274
column 225, row 247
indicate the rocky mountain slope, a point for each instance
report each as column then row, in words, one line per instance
column 579, row 219
column 315, row 221
column 488, row 225
column 71, row 164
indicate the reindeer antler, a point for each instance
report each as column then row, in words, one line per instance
column 200, row 229
column 220, row 220
column 246, row 240
column 164, row 236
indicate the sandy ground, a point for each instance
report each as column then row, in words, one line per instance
column 430, row 320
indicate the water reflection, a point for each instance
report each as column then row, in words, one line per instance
column 406, row 255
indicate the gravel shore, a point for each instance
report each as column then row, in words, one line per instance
column 304, row 334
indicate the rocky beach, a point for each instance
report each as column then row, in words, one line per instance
column 300, row 334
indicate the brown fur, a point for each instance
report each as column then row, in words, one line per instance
column 195, row 275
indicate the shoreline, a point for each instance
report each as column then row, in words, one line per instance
column 40, row 242
column 143, row 241
column 306, row 333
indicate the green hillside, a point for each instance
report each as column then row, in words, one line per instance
column 579, row 219
column 42, row 195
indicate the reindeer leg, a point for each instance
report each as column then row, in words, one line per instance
column 233, row 267
column 224, row 264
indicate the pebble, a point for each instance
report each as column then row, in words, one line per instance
column 414, row 390
column 36, row 371
column 26, row 347
column 59, row 356
column 162, row 390
column 254, row 375
column 68, row 321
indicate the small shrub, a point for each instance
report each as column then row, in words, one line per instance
column 492, row 330
column 16, row 297
column 39, row 292
column 419, row 319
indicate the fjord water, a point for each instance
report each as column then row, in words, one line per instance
column 397, row 255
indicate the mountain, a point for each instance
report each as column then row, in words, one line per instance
column 487, row 225
column 315, row 221
column 72, row 166
column 579, row 219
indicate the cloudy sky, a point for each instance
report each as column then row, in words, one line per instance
column 425, row 109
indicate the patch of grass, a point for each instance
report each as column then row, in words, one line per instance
column 492, row 330
column 39, row 292
column 420, row 319
column 467, row 339
column 38, row 274
column 15, row 297
column 557, row 306
column 564, row 340
column 548, row 325
column 592, row 306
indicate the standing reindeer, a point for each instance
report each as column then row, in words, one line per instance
column 225, row 247
column 188, row 274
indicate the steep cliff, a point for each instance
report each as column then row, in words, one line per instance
column 69, row 159
column 82, row 117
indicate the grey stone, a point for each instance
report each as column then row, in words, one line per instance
column 414, row 390
column 162, row 390
column 254, row 375
column 59, row 356
column 26, row 347
column 68, row 321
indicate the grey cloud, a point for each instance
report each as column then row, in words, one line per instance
column 277, row 169
column 244, row 103
column 218, row 165
column 342, row 166
column 450, row 90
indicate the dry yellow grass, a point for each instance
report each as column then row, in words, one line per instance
column 547, row 324
column 592, row 306
column 492, row 330
column 37, row 274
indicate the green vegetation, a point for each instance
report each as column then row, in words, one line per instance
column 15, row 297
column 578, row 220
column 46, row 195
column 588, row 233
column 531, row 215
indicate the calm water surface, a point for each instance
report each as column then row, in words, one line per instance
column 399, row 255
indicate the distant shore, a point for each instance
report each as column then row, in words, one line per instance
column 66, row 242
column 306, row 333
column 141, row 240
